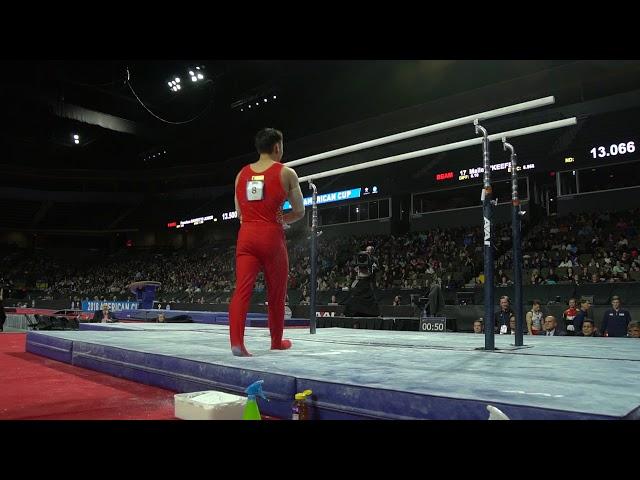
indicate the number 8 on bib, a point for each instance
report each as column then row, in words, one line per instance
column 255, row 190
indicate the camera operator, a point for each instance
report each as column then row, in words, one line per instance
column 362, row 299
column 367, row 264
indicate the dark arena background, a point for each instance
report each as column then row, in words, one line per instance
column 118, row 237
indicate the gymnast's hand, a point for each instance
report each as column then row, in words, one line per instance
column 284, row 224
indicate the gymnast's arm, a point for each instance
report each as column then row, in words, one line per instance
column 235, row 199
column 290, row 179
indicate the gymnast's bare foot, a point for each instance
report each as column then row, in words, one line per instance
column 240, row 351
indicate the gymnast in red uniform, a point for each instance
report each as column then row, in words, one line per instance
column 260, row 190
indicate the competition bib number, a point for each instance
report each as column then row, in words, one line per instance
column 255, row 190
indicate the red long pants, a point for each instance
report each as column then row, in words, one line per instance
column 261, row 246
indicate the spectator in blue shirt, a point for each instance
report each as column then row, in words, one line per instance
column 615, row 321
column 582, row 314
column 501, row 317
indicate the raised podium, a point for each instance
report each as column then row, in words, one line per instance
column 145, row 292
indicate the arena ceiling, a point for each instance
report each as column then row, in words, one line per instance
column 131, row 122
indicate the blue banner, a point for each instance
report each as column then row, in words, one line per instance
column 93, row 306
column 329, row 197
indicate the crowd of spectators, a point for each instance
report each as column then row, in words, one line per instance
column 577, row 320
column 577, row 249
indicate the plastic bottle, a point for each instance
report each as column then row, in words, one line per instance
column 300, row 407
column 496, row 413
column 251, row 411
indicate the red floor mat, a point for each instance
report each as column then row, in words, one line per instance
column 35, row 387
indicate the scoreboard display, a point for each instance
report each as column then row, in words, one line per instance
column 601, row 153
column 613, row 150
column 464, row 175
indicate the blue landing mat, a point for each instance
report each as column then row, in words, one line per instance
column 373, row 374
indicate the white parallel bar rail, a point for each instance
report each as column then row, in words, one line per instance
column 457, row 122
column 442, row 148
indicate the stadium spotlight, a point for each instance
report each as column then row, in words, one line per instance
column 196, row 74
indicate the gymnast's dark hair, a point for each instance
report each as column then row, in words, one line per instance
column 266, row 139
